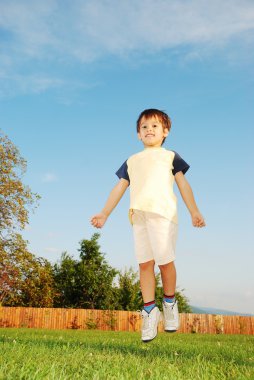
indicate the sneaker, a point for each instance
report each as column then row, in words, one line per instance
column 150, row 323
column 171, row 316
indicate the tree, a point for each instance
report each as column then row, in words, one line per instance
column 8, row 279
column 15, row 197
column 38, row 288
column 25, row 279
column 98, row 276
column 88, row 282
column 183, row 302
column 129, row 293
column 65, row 279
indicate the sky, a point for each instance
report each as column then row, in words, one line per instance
column 75, row 75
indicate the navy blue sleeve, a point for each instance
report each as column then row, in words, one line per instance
column 179, row 164
column 122, row 172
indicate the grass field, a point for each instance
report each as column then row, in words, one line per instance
column 75, row 354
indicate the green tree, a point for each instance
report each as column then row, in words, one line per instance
column 97, row 276
column 129, row 293
column 183, row 302
column 88, row 282
column 66, row 282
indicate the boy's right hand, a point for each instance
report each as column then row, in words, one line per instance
column 99, row 220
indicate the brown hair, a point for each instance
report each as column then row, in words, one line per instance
column 153, row 112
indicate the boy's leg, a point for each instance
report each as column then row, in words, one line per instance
column 170, row 308
column 147, row 280
column 168, row 277
column 150, row 314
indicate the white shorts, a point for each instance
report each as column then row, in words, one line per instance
column 154, row 237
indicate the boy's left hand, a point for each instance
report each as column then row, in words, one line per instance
column 197, row 220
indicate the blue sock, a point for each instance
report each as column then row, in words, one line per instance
column 148, row 306
column 170, row 299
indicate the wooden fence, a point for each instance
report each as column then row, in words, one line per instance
column 50, row 318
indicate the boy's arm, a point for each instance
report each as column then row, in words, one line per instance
column 188, row 197
column 115, row 195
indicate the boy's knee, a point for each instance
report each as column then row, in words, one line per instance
column 167, row 266
column 148, row 265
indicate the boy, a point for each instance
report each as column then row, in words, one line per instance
column 153, row 213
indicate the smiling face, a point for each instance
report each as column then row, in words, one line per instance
column 151, row 132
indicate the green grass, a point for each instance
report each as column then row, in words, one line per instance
column 75, row 354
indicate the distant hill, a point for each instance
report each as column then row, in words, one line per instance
column 210, row 310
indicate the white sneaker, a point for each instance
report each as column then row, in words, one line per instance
column 171, row 316
column 150, row 323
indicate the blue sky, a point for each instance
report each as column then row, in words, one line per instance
column 74, row 76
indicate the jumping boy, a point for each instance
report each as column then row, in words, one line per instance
column 151, row 174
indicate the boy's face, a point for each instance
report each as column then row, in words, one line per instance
column 151, row 132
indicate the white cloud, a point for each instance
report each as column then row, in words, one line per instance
column 86, row 30
column 27, row 84
column 49, row 177
column 39, row 83
column 126, row 26
column 53, row 33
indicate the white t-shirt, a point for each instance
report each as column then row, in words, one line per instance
column 151, row 177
